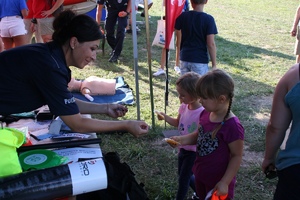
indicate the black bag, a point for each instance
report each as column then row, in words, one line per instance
column 58, row 10
column 121, row 182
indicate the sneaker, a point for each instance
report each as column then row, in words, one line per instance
column 160, row 71
column 194, row 196
column 177, row 69
column 113, row 58
column 130, row 30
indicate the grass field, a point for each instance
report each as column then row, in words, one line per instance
column 253, row 45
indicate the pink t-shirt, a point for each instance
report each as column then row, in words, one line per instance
column 188, row 123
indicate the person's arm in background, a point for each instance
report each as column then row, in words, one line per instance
column 127, row 11
column 212, row 50
column 280, row 117
column 178, row 42
column 24, row 12
column 296, row 21
column 99, row 12
column 57, row 4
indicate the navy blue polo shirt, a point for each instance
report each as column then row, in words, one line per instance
column 114, row 5
column 35, row 75
column 193, row 47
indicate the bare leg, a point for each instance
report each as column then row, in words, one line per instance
column 163, row 59
column 1, row 45
column 38, row 37
column 8, row 43
column 297, row 58
column 47, row 38
column 19, row 40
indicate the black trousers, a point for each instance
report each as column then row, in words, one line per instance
column 115, row 41
column 288, row 185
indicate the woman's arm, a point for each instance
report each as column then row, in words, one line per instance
column 79, row 124
column 112, row 110
column 236, row 153
column 280, row 116
column 57, row 4
column 24, row 13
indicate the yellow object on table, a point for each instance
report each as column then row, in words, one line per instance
column 10, row 140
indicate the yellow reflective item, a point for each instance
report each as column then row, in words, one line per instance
column 10, row 140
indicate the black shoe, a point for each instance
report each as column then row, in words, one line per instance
column 113, row 58
column 142, row 14
column 129, row 30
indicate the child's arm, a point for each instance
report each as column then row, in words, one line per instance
column 236, row 152
column 212, row 50
column 170, row 120
column 189, row 139
column 295, row 23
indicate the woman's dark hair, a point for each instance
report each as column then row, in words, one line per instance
column 188, row 82
column 67, row 24
column 214, row 84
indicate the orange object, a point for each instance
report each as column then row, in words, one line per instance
column 70, row 2
column 171, row 141
column 215, row 197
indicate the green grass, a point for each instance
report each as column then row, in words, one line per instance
column 253, row 45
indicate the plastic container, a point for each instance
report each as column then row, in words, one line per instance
column 55, row 182
column 40, row 159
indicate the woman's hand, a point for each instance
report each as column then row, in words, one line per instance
column 116, row 110
column 137, row 128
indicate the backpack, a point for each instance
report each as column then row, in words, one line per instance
column 122, row 184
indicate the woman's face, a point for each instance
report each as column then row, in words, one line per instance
column 83, row 53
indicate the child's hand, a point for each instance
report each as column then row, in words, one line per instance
column 173, row 141
column 221, row 189
column 160, row 115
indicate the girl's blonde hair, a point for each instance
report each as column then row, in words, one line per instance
column 188, row 82
column 214, row 84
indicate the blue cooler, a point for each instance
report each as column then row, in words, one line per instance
column 92, row 13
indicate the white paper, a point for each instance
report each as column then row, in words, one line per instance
column 73, row 154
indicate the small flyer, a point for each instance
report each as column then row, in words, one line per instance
column 79, row 153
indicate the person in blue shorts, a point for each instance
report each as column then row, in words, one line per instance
column 38, row 74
